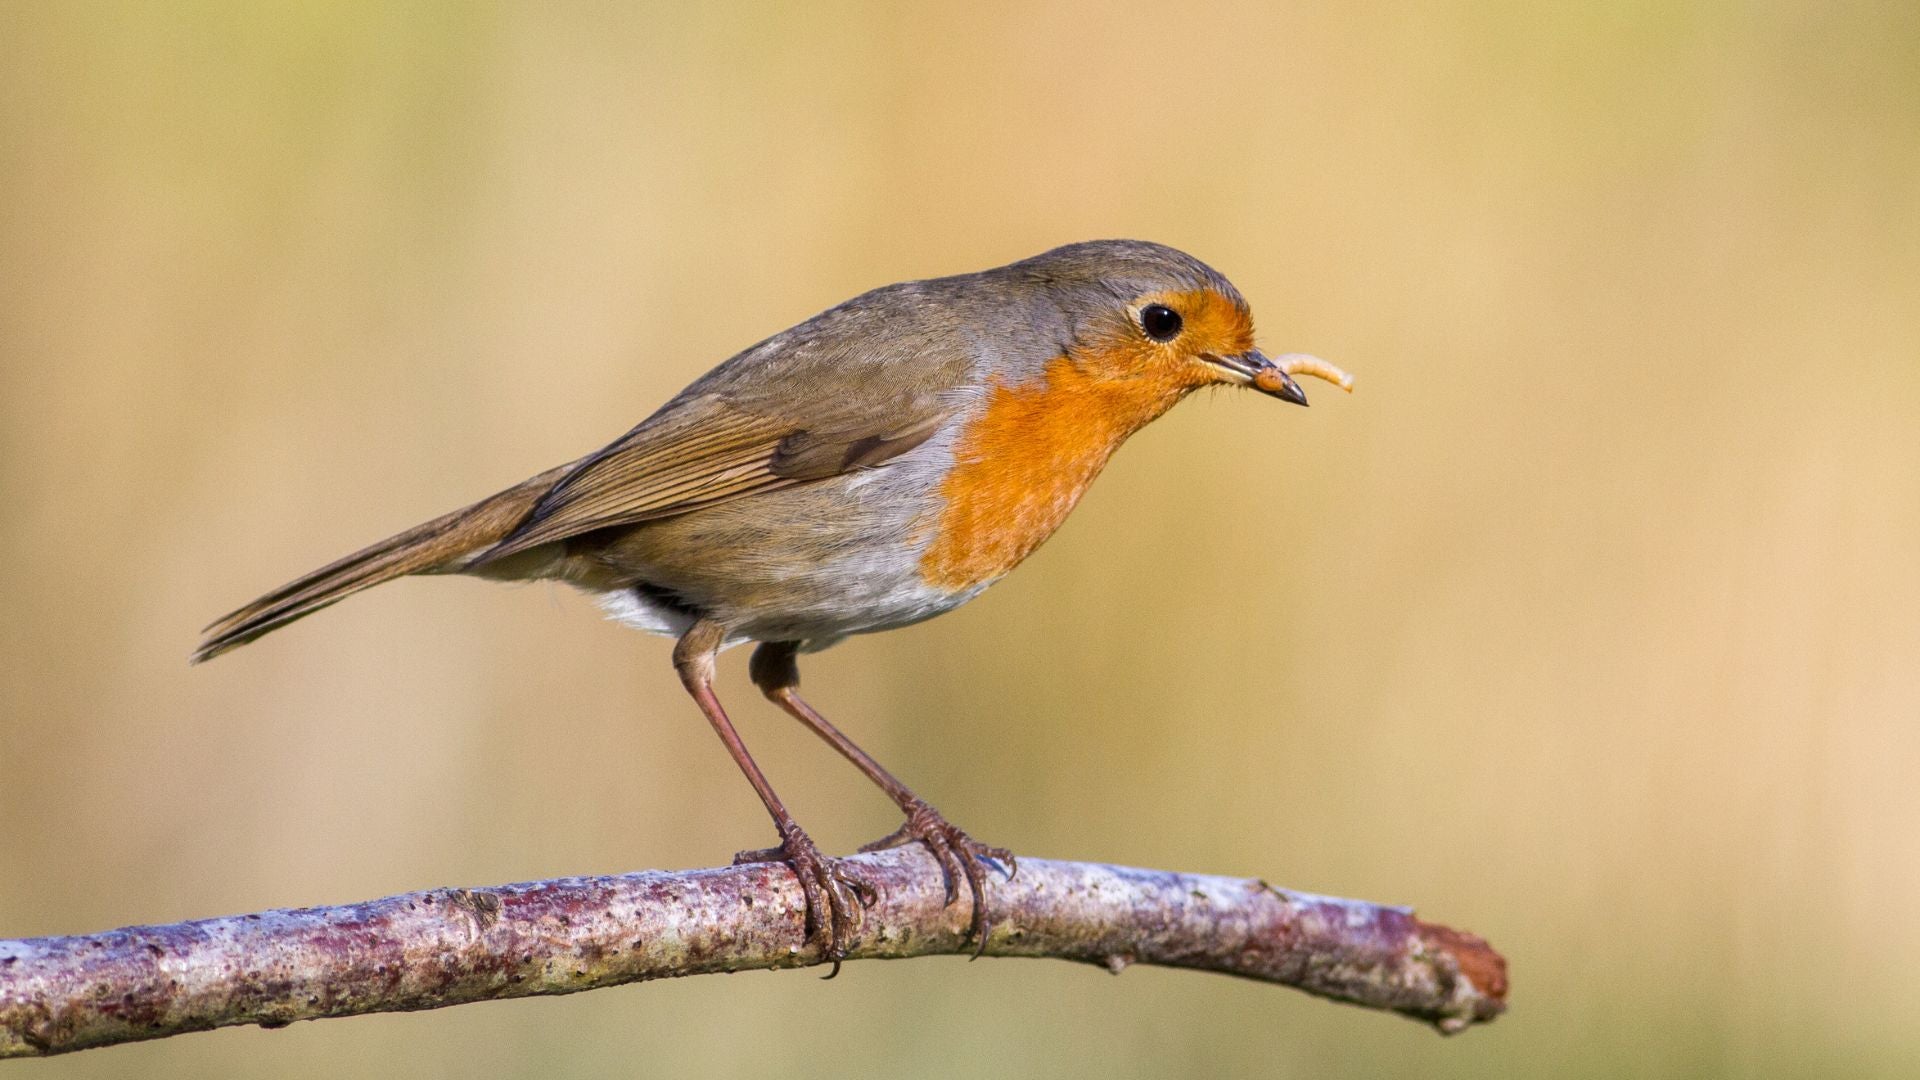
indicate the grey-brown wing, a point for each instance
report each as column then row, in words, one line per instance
column 848, row 389
column 706, row 451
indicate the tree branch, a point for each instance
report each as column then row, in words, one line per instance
column 443, row 947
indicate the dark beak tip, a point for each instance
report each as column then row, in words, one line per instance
column 1281, row 385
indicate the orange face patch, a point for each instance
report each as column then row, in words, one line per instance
column 1212, row 324
column 1023, row 464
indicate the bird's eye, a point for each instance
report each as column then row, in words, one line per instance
column 1161, row 322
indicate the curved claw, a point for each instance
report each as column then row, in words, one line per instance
column 759, row 855
column 961, row 858
column 836, row 897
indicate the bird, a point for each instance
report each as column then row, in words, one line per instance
column 874, row 466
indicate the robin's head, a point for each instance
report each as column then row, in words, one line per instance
column 1139, row 310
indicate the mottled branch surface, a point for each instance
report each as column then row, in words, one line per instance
column 425, row 950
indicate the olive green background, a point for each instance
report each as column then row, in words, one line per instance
column 1590, row 622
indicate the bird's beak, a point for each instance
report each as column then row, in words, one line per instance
column 1252, row 368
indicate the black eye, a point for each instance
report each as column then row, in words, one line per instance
column 1161, row 322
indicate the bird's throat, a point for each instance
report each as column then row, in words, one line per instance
column 1023, row 463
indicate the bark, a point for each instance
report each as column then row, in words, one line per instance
column 443, row 947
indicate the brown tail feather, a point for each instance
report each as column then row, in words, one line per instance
column 435, row 546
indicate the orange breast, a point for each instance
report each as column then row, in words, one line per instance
column 1023, row 464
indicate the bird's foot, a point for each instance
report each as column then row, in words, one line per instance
column 837, row 898
column 961, row 857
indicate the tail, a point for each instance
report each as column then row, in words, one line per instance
column 440, row 546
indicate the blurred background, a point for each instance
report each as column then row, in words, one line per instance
column 1589, row 623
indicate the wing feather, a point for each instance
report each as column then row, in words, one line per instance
column 704, row 451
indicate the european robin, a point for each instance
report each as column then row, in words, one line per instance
column 878, row 464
